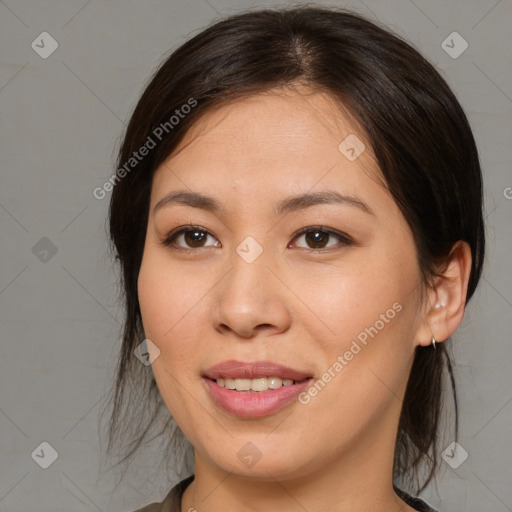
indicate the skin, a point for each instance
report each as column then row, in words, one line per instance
column 292, row 305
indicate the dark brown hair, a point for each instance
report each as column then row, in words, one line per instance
column 417, row 130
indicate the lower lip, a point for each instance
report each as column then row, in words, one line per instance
column 255, row 404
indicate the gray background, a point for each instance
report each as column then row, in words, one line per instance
column 61, row 121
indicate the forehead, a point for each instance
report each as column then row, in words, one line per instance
column 280, row 117
column 286, row 137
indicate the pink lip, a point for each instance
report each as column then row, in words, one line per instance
column 254, row 404
column 246, row 370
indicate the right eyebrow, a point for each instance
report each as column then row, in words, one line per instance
column 193, row 199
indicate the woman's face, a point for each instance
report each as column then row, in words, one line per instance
column 337, row 304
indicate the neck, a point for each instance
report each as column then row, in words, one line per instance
column 359, row 477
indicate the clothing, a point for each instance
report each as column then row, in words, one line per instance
column 172, row 502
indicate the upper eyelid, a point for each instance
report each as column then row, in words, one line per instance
column 331, row 231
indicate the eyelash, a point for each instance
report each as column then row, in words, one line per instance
column 344, row 239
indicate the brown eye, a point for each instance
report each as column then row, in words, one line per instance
column 194, row 238
column 320, row 238
column 191, row 238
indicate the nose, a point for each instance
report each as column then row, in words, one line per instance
column 250, row 300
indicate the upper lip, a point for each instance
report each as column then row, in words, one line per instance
column 252, row 370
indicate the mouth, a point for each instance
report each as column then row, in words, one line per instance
column 241, row 370
column 255, row 389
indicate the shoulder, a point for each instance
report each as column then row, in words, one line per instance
column 152, row 507
column 415, row 503
column 172, row 502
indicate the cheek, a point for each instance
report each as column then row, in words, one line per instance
column 164, row 307
column 371, row 317
column 167, row 296
column 167, row 311
column 353, row 303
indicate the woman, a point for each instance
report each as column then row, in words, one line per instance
column 297, row 213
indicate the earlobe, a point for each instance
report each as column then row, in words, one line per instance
column 447, row 298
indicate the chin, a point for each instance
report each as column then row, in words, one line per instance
column 251, row 463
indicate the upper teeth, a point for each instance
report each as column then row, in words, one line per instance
column 259, row 384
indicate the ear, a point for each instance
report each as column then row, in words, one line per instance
column 447, row 298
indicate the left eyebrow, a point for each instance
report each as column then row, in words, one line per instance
column 324, row 197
